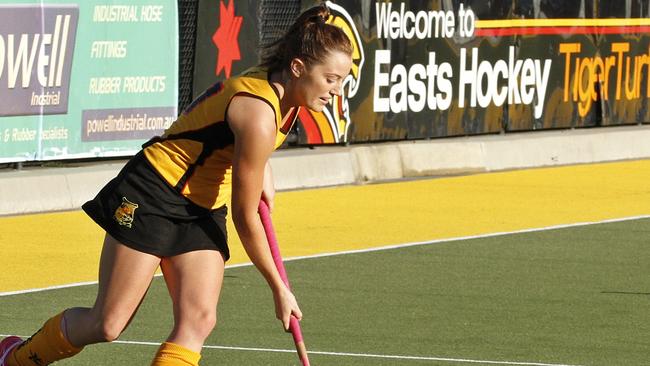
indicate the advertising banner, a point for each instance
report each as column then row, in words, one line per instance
column 85, row 78
column 428, row 69
column 228, row 40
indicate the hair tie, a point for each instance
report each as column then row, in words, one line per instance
column 318, row 18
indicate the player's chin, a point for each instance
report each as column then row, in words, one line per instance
column 317, row 107
column 319, row 104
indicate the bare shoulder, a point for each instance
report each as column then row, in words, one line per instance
column 250, row 114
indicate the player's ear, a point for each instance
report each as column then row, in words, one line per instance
column 297, row 67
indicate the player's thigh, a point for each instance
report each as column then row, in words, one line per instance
column 194, row 281
column 124, row 277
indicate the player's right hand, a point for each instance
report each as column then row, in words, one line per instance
column 286, row 306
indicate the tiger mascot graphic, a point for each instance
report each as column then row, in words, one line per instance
column 331, row 125
column 125, row 213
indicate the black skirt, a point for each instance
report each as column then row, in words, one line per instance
column 142, row 211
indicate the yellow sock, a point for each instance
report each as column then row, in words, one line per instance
column 171, row 354
column 44, row 347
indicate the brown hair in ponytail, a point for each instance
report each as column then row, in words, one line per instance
column 310, row 39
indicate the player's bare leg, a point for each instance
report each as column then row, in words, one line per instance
column 124, row 277
column 194, row 281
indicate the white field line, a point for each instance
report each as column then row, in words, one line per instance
column 361, row 355
column 375, row 249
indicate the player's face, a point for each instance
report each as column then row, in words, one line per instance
column 319, row 82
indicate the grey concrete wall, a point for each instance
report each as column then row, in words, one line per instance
column 49, row 189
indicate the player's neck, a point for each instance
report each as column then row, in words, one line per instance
column 281, row 81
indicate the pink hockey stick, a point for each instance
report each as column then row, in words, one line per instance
column 294, row 325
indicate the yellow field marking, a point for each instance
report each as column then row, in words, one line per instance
column 58, row 248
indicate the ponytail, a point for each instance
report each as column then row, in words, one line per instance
column 310, row 39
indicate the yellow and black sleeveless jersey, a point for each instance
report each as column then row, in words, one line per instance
column 195, row 153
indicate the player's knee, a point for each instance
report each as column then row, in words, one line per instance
column 109, row 329
column 201, row 322
column 207, row 321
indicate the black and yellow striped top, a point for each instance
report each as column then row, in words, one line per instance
column 195, row 153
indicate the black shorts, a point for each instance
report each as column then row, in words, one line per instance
column 142, row 211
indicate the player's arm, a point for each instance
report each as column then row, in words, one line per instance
column 253, row 124
column 268, row 189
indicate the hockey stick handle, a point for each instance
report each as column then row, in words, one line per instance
column 294, row 325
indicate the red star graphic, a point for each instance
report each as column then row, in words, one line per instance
column 225, row 38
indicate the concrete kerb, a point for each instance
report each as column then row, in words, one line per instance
column 304, row 168
column 49, row 189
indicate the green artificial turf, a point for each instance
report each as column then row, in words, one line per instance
column 576, row 296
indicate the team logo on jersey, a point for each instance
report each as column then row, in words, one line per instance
column 125, row 213
column 331, row 125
